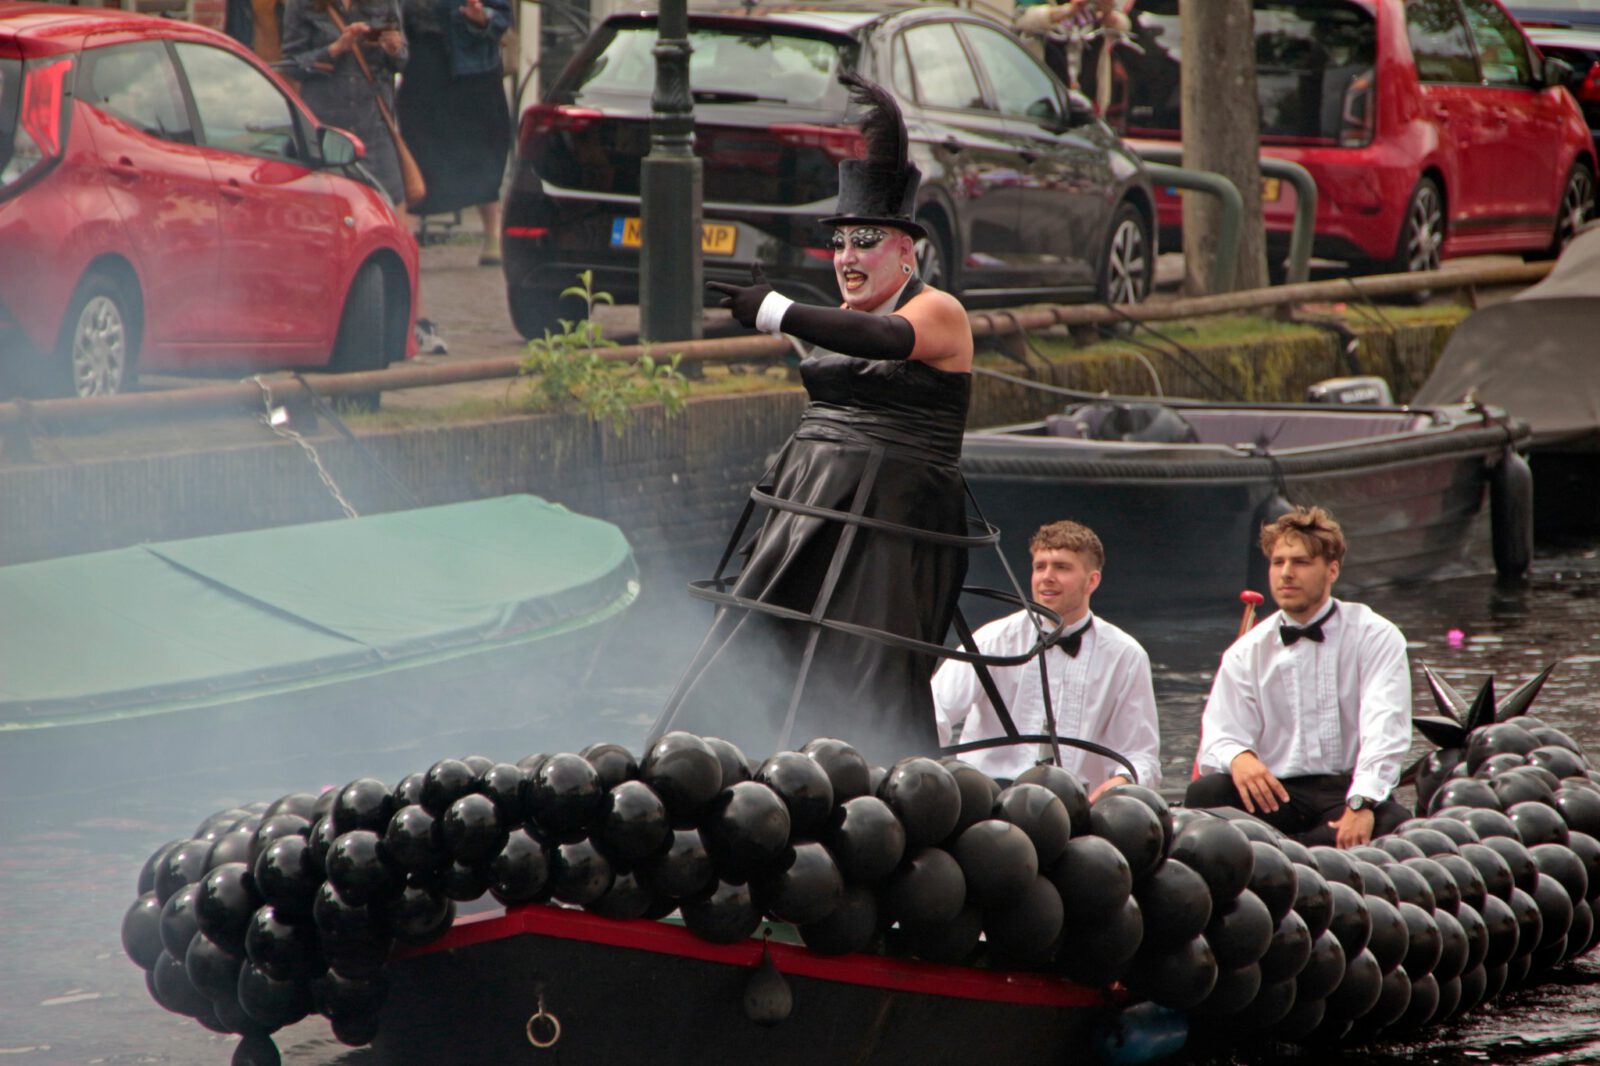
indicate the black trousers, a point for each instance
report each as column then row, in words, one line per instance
column 1314, row 801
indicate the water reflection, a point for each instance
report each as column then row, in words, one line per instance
column 68, row 863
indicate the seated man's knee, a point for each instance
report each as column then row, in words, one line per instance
column 1211, row 790
column 1388, row 817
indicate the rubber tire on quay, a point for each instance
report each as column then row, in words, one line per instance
column 1422, row 233
column 536, row 309
column 99, row 341
column 362, row 343
column 1127, row 265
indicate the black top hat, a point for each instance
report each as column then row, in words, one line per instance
column 882, row 188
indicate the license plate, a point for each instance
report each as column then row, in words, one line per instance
column 1271, row 189
column 716, row 238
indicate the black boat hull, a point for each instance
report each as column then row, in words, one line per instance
column 652, row 992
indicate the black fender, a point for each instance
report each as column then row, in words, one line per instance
column 1511, row 514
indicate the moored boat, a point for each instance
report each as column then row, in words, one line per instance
column 1179, row 489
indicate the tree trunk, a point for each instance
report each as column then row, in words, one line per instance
column 1221, row 133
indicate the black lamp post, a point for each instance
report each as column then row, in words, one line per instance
column 670, row 297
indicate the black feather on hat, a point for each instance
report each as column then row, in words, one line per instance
column 882, row 188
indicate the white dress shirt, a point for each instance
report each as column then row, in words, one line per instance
column 1339, row 706
column 1103, row 694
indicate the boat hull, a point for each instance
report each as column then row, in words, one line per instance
column 653, row 992
column 1181, row 526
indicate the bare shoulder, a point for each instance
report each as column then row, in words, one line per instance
column 944, row 335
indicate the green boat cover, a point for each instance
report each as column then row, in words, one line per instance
column 216, row 619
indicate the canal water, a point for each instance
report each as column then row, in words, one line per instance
column 69, row 860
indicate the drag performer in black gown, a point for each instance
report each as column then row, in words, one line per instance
column 866, row 518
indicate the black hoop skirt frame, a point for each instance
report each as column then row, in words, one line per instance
column 459, row 129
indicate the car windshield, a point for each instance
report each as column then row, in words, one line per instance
column 1307, row 55
column 726, row 66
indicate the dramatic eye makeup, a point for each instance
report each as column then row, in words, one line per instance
column 864, row 239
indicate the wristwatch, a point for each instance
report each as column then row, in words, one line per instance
column 1361, row 803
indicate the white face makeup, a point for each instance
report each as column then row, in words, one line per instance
column 867, row 260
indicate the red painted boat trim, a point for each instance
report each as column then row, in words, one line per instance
column 875, row 971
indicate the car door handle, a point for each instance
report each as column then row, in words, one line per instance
column 230, row 190
column 124, row 168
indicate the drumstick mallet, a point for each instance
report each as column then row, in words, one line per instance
column 1251, row 600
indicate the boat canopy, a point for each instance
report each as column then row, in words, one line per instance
column 215, row 619
column 1534, row 354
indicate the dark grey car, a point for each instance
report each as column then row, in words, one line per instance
column 1026, row 194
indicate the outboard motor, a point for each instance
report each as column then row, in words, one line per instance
column 1366, row 389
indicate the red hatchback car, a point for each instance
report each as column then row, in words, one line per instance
column 167, row 202
column 1431, row 127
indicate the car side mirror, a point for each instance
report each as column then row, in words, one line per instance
column 339, row 149
column 1080, row 110
column 1558, row 71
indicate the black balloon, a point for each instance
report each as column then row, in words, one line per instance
column 461, row 882
column 1530, row 924
column 998, row 861
column 1093, row 878
column 1177, row 979
column 1453, row 827
column 1446, row 893
column 409, row 789
column 1100, row 951
column 413, row 839
column 1423, row 942
column 1152, row 799
column 1393, row 999
column 684, row 869
column 1501, row 923
column 1240, row 932
column 420, row 914
column 472, row 828
column 803, row 785
column 1469, row 882
column 1359, row 989
column 147, row 873
column 182, row 864
column 1234, row 991
column 477, row 763
column 356, row 867
column 1587, row 849
column 1313, row 899
column 1218, row 852
column 927, row 889
column 521, row 871
column 270, row 1002
column 866, row 839
column 1323, row 970
column 1465, row 792
column 1375, row 881
column 1476, row 931
column 171, row 987
column 1390, row 939
column 1563, row 864
column 1538, row 823
column 1351, row 922
column 735, row 767
column 1474, row 984
column 1555, row 908
column 952, row 941
column 1490, row 823
column 365, row 803
column 1289, row 950
column 303, row 804
column 628, row 897
column 211, row 968
column 1431, row 841
column 1398, row 848
column 632, row 824
column 1272, row 878
column 1424, row 1004
column 1337, row 866
column 1027, row 928
column 727, row 915
column 853, row 925
column 445, row 782
column 1176, row 905
column 178, row 922
column 336, row 997
column 685, row 772
column 925, row 797
column 1492, row 869
column 506, row 785
column 1452, row 948
column 343, row 925
column 848, row 771
column 223, row 906
column 1411, row 887
column 231, row 846
column 565, row 796
column 746, row 829
column 579, row 873
column 284, row 878
column 1137, row 832
column 978, row 792
column 283, row 950
column 1493, row 739
column 613, row 762
column 1068, row 789
column 1579, row 808
column 808, row 890
column 141, row 930
column 1524, row 871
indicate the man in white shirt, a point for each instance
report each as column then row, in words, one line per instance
column 1309, row 718
column 1099, row 677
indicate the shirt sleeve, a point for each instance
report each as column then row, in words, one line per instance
column 300, row 43
column 1385, row 714
column 956, row 693
column 1230, row 724
column 1133, row 727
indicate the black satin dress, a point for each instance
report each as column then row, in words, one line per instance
column 879, row 442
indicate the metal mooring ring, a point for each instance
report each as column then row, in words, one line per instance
column 548, row 1019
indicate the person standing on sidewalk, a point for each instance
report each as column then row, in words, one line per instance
column 453, row 109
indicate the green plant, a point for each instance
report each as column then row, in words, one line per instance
column 571, row 372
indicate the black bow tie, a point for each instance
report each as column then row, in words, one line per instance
column 1071, row 644
column 1312, row 632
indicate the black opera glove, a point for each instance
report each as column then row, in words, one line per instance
column 743, row 300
